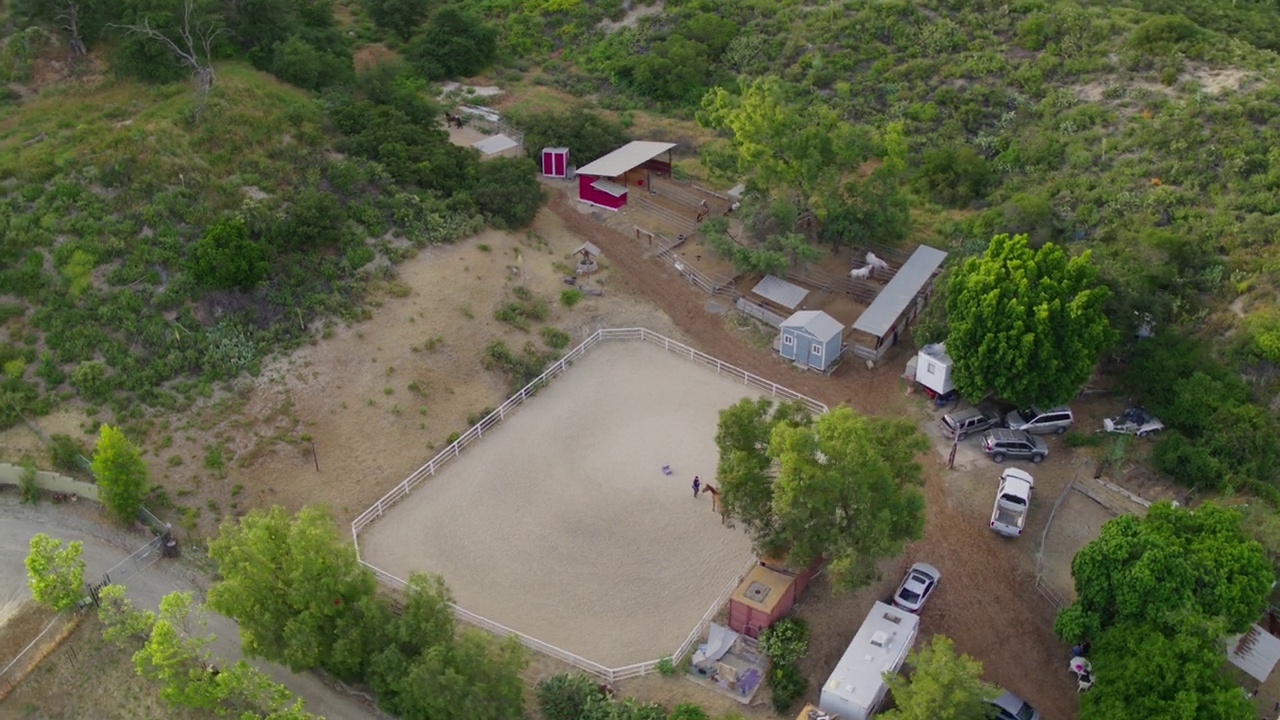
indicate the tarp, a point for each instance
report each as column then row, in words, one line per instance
column 719, row 640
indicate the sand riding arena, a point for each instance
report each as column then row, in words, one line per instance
column 553, row 518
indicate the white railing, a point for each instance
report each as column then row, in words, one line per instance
column 610, row 675
column 477, row 431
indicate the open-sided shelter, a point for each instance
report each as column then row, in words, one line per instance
column 881, row 324
column 603, row 182
column 812, row 339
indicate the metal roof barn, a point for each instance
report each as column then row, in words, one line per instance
column 901, row 290
column 625, row 158
column 777, row 290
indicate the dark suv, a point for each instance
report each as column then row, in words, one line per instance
column 963, row 423
column 1002, row 443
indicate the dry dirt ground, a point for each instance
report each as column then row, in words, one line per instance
column 350, row 394
column 560, row 522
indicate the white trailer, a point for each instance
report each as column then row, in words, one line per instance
column 856, row 687
column 933, row 368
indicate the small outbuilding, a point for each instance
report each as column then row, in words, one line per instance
column 856, row 686
column 767, row 593
column 933, row 369
column 496, row 146
column 603, row 182
column 881, row 325
column 555, row 162
column 812, row 339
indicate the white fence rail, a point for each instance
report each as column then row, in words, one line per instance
column 477, row 431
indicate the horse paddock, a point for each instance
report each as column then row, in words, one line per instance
column 560, row 522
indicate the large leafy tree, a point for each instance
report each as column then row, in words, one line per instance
column 943, row 685
column 453, row 43
column 847, row 490
column 1155, row 673
column 290, row 583
column 586, row 133
column 226, row 257
column 55, row 573
column 745, row 471
column 795, row 150
column 1171, row 563
column 1026, row 324
column 507, row 191
column 120, row 472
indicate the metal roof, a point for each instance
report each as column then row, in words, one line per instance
column 816, row 323
column 612, row 188
column 901, row 290
column 1255, row 652
column 494, row 144
column 780, row 291
column 628, row 156
column 879, row 647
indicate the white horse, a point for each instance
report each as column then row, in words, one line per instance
column 861, row 273
column 876, row 262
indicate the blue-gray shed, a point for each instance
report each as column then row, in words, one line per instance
column 812, row 339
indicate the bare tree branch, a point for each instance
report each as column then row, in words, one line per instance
column 193, row 47
column 69, row 20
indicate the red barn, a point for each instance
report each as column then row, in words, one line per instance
column 603, row 182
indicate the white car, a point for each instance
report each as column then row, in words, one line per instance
column 1013, row 500
column 1134, row 421
column 916, row 587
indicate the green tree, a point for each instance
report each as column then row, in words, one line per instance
column 289, row 582
column 300, row 63
column 122, row 623
column 402, row 17
column 507, row 191
column 943, row 685
column 868, row 211
column 176, row 654
column 776, row 254
column 1172, row 563
column 1162, row 673
column 1026, row 324
column 565, row 696
column 226, row 257
column 55, row 573
column 956, row 176
column 586, row 133
column 453, row 43
column 674, row 69
column 745, row 469
column 796, row 151
column 121, row 474
column 847, row 490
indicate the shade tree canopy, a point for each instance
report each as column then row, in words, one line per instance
column 1027, row 324
column 121, row 474
column 943, row 685
column 1169, row 564
column 55, row 573
column 843, row 486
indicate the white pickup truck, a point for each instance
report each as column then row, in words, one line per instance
column 1013, row 499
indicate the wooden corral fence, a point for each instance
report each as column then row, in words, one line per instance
column 476, row 432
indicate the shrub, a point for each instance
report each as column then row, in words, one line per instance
column 555, row 338
column 787, row 684
column 1076, row 438
column 785, row 641
column 688, row 711
column 566, row 697
column 65, row 453
column 570, row 297
column 27, row 483
column 667, row 667
column 507, row 191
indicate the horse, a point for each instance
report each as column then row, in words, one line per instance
column 716, row 504
column 861, row 273
column 876, row 262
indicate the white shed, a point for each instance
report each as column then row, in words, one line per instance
column 856, row 687
column 933, row 368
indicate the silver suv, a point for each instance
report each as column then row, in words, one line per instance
column 963, row 423
column 1035, row 420
column 1018, row 444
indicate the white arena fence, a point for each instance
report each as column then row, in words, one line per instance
column 477, row 431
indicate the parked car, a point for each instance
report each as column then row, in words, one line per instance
column 1133, row 421
column 1035, row 420
column 1001, row 443
column 1011, row 707
column 963, row 423
column 1013, row 500
column 916, row 587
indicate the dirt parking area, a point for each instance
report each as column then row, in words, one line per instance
column 560, row 523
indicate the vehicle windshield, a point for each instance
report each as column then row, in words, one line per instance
column 1027, row 414
column 1012, row 499
column 1026, row 712
column 908, row 595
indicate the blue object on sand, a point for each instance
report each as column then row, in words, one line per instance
column 666, row 469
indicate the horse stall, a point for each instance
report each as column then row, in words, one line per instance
column 882, row 325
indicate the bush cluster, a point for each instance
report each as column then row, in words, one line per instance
column 784, row 643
